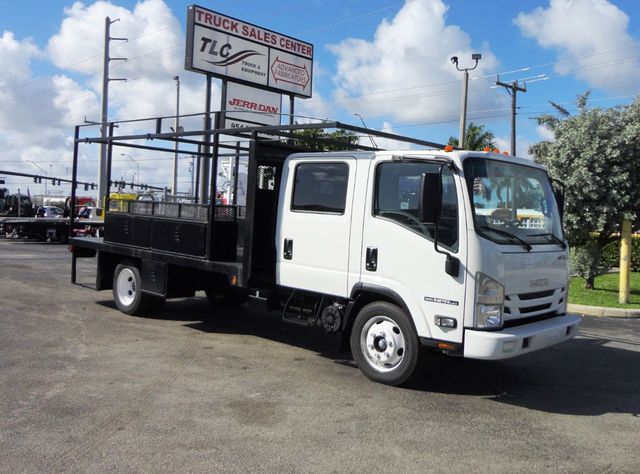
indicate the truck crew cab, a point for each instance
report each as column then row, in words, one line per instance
column 458, row 251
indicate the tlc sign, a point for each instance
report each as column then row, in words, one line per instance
column 228, row 48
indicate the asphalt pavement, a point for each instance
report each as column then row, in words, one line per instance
column 85, row 388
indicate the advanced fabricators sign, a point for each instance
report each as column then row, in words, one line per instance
column 231, row 49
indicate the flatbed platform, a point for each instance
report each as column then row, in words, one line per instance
column 98, row 244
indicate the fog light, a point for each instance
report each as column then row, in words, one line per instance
column 446, row 322
column 508, row 346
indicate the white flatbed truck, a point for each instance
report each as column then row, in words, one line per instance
column 460, row 252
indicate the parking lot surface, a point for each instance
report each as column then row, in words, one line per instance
column 85, row 388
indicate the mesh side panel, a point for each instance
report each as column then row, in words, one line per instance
column 194, row 212
column 267, row 177
column 225, row 213
column 168, row 209
column 174, row 210
column 141, row 208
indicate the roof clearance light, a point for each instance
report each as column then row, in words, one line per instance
column 448, row 148
column 495, row 150
column 487, row 148
column 505, row 153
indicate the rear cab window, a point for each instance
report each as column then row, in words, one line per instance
column 320, row 187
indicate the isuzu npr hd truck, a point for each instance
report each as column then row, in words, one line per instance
column 461, row 252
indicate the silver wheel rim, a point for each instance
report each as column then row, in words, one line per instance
column 382, row 343
column 126, row 286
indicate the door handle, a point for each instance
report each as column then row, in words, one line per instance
column 372, row 259
column 288, row 249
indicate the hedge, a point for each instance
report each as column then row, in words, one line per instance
column 611, row 254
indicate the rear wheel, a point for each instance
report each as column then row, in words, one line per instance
column 384, row 343
column 127, row 289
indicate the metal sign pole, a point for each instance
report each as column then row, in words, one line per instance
column 203, row 195
column 292, row 101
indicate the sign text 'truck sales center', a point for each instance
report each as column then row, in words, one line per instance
column 232, row 49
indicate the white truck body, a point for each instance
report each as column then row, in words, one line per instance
column 330, row 254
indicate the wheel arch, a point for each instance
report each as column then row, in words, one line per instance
column 107, row 263
column 361, row 295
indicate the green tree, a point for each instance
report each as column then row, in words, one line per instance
column 593, row 153
column 318, row 139
column 476, row 138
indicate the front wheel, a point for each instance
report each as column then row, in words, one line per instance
column 384, row 343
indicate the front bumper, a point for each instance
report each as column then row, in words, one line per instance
column 515, row 341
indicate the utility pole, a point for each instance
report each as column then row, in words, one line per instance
column 512, row 89
column 465, row 87
column 103, row 185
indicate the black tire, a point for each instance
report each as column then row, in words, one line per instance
column 127, row 290
column 225, row 298
column 384, row 344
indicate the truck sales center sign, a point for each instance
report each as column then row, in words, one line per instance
column 232, row 49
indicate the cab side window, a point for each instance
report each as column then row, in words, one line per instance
column 398, row 193
column 320, row 187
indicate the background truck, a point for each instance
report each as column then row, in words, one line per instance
column 18, row 205
column 399, row 252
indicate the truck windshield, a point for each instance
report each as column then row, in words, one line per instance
column 512, row 203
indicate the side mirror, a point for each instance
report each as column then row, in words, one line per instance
column 558, row 191
column 429, row 199
column 452, row 266
column 429, row 213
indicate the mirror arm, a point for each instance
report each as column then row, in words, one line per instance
column 452, row 265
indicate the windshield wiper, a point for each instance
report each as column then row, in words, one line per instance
column 508, row 234
column 552, row 238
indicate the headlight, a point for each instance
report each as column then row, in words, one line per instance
column 489, row 302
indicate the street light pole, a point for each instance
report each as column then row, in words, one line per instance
column 465, row 87
column 365, row 126
column 174, row 188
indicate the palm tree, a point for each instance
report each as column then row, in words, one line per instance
column 476, row 138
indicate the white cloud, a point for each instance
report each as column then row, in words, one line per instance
column 592, row 40
column 387, row 143
column 522, row 146
column 544, row 133
column 15, row 57
column 73, row 101
column 405, row 72
column 311, row 110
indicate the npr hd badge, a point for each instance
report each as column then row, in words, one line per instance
column 431, row 299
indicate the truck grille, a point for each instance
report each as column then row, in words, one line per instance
column 521, row 305
column 535, row 295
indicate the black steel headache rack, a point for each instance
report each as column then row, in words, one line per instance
column 203, row 229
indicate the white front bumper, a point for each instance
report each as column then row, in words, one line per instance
column 512, row 342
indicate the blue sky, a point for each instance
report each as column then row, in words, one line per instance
column 388, row 61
